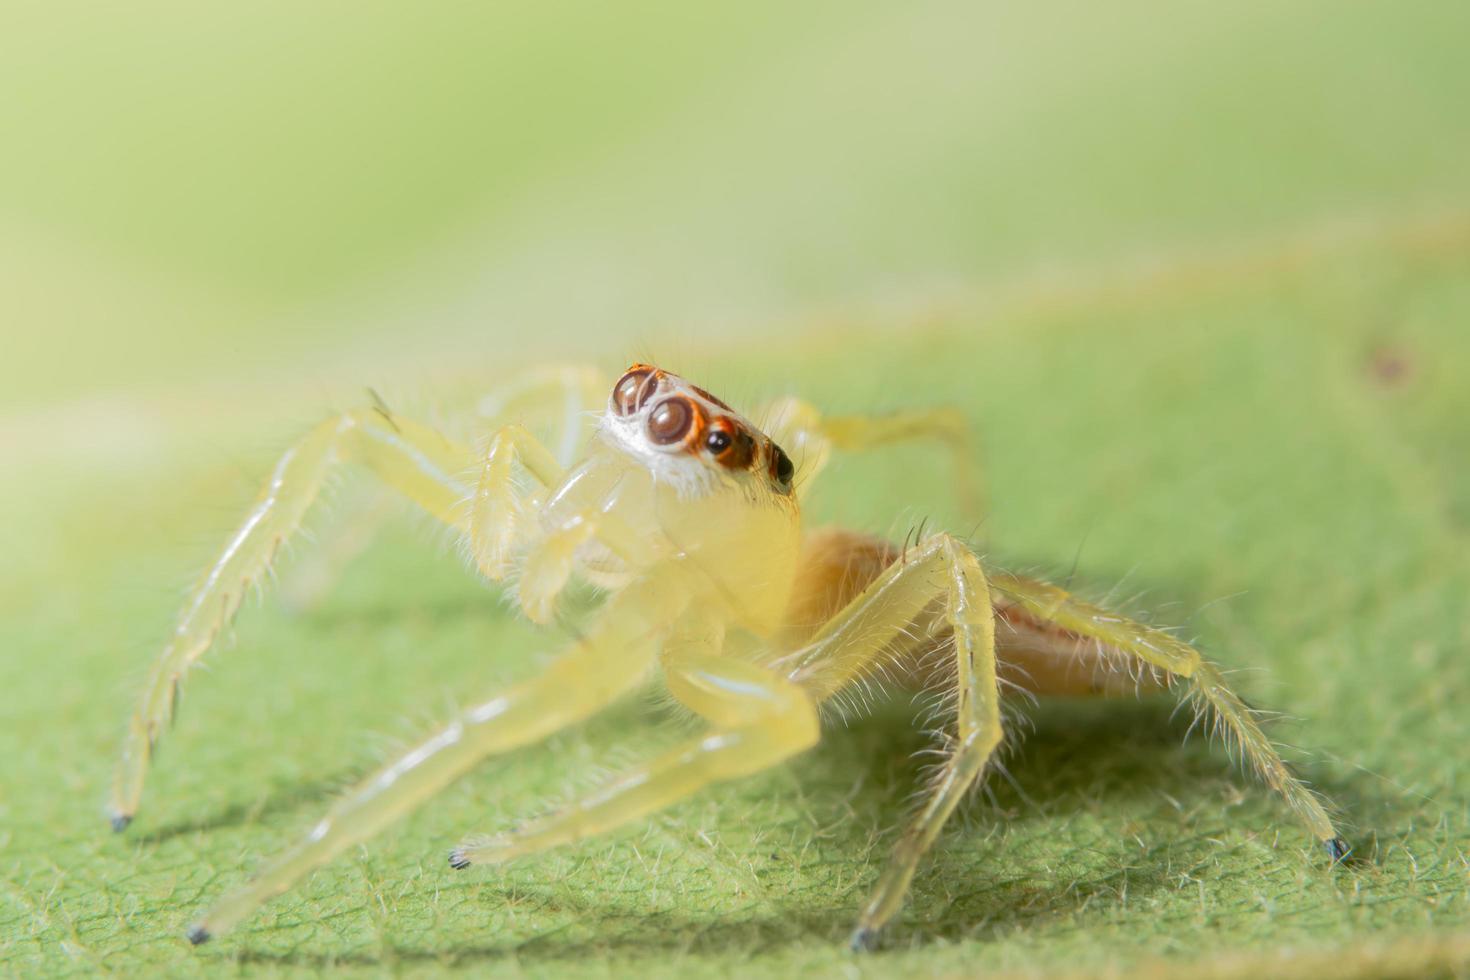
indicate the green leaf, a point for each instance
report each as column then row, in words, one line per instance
column 1200, row 279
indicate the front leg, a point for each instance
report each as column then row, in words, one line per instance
column 617, row 650
column 558, row 400
column 497, row 510
column 759, row 719
column 413, row 459
column 500, row 519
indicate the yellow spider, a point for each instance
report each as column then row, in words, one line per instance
column 688, row 516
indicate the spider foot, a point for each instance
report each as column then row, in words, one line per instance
column 198, row 935
column 864, row 940
column 1338, row 849
column 457, row 859
column 120, row 822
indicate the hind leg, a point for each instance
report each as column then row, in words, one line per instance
column 1046, row 605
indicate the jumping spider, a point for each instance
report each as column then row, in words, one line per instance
column 688, row 516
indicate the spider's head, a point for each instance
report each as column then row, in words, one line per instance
column 694, row 480
column 690, row 438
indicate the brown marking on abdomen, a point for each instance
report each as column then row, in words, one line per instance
column 836, row 565
column 1045, row 659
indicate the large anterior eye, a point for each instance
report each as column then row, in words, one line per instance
column 632, row 390
column 670, row 421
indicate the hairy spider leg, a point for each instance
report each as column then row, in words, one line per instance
column 614, row 654
column 413, row 459
column 499, row 515
column 856, row 640
column 497, row 511
column 409, row 458
column 809, row 437
column 757, row 717
column 564, row 399
column 1118, row 634
column 558, row 401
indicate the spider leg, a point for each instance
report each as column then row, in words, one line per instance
column 411, row 458
column 809, row 438
column 619, row 646
column 496, row 508
column 758, row 719
column 497, row 514
column 563, row 398
column 945, row 569
column 558, row 401
column 1117, row 634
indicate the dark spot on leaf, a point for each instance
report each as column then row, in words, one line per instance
column 1390, row 366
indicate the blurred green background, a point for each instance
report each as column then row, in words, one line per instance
column 1199, row 273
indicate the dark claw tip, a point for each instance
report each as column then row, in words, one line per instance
column 120, row 822
column 457, row 860
column 198, row 935
column 1337, row 849
column 864, row 940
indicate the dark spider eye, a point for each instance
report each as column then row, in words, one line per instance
column 670, row 421
column 626, row 393
column 781, row 467
column 717, row 442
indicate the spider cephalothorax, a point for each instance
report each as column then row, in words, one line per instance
column 685, row 513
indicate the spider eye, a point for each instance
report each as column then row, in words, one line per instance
column 632, row 391
column 670, row 421
column 717, row 442
column 781, row 466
